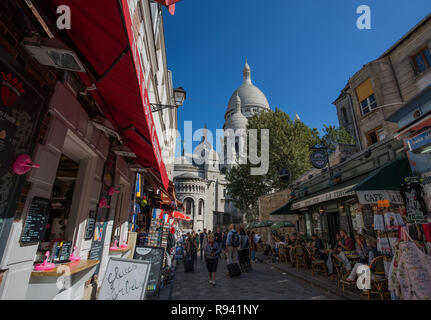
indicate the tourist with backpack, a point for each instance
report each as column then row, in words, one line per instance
column 232, row 246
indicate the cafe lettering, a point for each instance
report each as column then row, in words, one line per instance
column 372, row 197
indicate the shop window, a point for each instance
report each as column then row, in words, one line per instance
column 422, row 60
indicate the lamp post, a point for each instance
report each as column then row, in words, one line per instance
column 179, row 97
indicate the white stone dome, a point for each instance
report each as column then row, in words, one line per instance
column 250, row 95
column 237, row 120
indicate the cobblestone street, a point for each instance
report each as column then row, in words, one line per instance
column 263, row 283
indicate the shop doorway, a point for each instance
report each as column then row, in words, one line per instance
column 333, row 227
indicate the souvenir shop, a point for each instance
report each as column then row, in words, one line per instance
column 410, row 270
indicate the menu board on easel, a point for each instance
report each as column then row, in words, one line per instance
column 155, row 256
column 35, row 223
column 21, row 112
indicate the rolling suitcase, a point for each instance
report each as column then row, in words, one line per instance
column 234, row 270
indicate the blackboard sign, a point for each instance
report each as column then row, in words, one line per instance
column 97, row 245
column 35, row 224
column 65, row 252
column 89, row 229
column 155, row 256
column 22, row 108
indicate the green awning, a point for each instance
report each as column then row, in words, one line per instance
column 251, row 225
column 283, row 210
column 388, row 177
column 282, row 224
column 265, row 223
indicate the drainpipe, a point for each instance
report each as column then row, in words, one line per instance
column 396, row 79
column 358, row 138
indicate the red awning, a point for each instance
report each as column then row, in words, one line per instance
column 99, row 33
column 170, row 4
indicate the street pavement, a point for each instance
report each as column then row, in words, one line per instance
column 264, row 282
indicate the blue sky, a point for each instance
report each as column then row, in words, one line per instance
column 301, row 52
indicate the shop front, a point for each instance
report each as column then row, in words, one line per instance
column 350, row 205
column 76, row 200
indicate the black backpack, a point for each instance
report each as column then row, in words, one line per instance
column 234, row 242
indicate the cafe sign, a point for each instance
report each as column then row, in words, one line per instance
column 374, row 196
column 336, row 194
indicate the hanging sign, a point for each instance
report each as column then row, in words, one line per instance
column 319, row 159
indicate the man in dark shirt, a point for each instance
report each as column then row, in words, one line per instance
column 218, row 236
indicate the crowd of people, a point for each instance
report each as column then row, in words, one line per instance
column 240, row 247
column 363, row 250
column 237, row 247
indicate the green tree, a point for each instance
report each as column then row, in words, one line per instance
column 333, row 136
column 289, row 148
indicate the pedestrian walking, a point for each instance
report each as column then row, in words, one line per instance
column 203, row 240
column 232, row 245
column 243, row 251
column 189, row 260
column 212, row 254
column 218, row 236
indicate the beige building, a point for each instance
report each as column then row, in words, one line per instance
column 383, row 86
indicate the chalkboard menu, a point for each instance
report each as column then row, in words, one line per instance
column 35, row 224
column 97, row 245
column 65, row 252
column 21, row 112
column 155, row 256
column 89, row 229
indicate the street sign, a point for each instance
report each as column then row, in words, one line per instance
column 318, row 159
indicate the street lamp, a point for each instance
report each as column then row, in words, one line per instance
column 179, row 97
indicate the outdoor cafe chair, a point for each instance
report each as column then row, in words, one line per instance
column 379, row 282
column 299, row 255
column 341, row 272
column 317, row 264
column 283, row 253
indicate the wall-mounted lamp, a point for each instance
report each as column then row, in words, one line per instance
column 179, row 97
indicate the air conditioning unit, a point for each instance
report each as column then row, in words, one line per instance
column 53, row 53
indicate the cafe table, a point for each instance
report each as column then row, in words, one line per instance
column 65, row 282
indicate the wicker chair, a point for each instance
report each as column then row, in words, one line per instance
column 317, row 264
column 283, row 253
column 379, row 283
column 299, row 255
column 340, row 270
